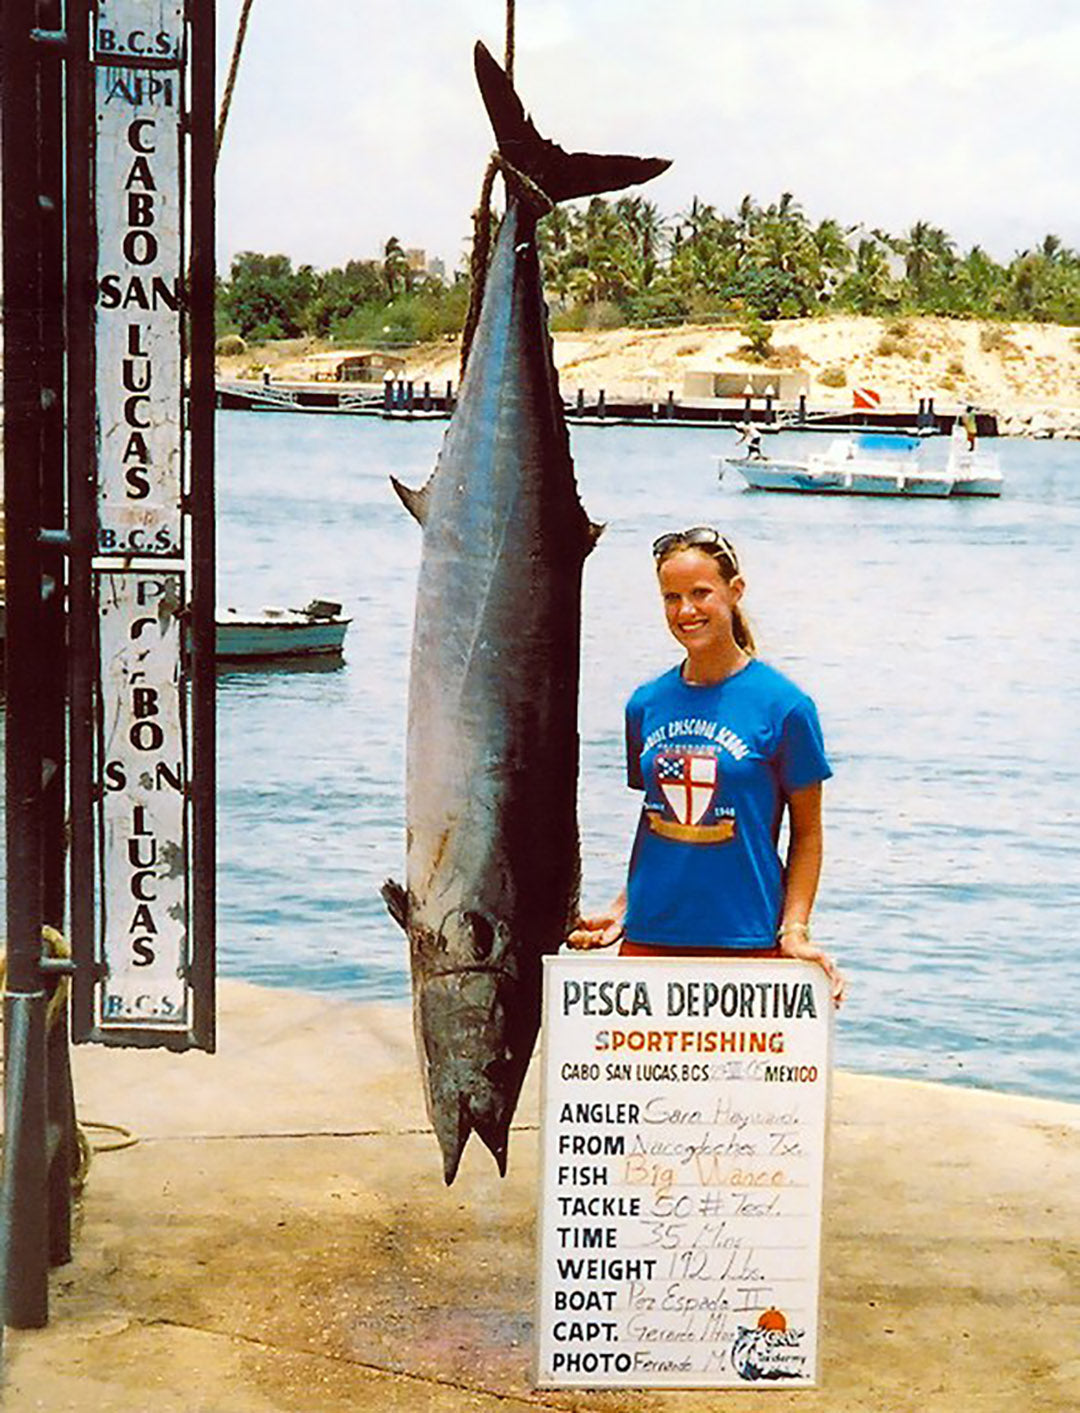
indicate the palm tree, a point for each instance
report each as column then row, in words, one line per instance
column 865, row 290
column 395, row 266
column 979, row 284
column 832, row 256
column 645, row 230
column 928, row 257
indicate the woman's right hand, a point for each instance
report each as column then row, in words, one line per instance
column 599, row 929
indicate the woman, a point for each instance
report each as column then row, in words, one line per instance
column 721, row 746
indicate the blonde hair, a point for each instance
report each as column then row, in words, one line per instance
column 723, row 555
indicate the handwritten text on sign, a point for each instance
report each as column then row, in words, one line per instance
column 682, row 1138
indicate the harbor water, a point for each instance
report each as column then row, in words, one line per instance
column 940, row 639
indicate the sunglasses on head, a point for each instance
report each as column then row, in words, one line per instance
column 702, row 537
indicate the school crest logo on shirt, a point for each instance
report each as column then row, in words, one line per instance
column 688, row 781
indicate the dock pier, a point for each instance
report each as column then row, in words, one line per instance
column 406, row 400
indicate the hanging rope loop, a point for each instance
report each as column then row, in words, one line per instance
column 230, row 82
column 526, row 190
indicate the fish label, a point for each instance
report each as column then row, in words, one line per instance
column 683, row 1121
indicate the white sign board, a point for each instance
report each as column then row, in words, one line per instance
column 139, row 345
column 143, row 818
column 143, row 990
column 683, row 1128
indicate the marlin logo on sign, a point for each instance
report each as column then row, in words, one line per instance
column 773, row 1351
column 689, row 783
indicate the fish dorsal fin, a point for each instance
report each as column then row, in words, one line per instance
column 414, row 501
column 559, row 175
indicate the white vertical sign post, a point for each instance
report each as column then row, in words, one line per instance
column 683, row 1128
column 144, row 824
column 140, row 351
column 146, row 949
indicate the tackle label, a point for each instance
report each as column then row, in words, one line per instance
column 682, row 1125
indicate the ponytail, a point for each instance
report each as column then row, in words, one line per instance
column 742, row 632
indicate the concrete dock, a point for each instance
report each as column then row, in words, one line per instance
column 275, row 1237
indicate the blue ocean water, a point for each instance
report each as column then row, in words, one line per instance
column 940, row 639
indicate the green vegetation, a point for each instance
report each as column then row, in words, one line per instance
column 610, row 263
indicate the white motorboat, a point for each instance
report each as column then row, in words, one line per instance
column 279, row 633
column 875, row 463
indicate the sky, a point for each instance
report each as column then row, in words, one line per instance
column 353, row 123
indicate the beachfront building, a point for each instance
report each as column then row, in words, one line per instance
column 356, row 366
column 782, row 384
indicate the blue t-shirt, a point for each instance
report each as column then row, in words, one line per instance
column 716, row 763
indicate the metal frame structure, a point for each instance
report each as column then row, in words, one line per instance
column 50, row 669
column 35, row 656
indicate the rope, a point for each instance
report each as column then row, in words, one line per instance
column 478, row 261
column 230, row 82
column 56, row 945
column 526, row 190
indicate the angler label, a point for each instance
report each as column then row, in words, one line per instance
column 683, row 1127
column 140, row 296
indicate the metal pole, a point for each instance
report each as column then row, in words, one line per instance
column 23, row 1225
column 81, row 265
column 201, row 471
column 61, row 1143
column 52, row 643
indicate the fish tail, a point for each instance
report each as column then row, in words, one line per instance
column 560, row 175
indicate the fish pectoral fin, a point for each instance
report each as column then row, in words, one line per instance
column 595, row 531
column 559, row 175
column 397, row 902
column 414, row 501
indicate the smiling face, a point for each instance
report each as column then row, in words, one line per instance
column 699, row 604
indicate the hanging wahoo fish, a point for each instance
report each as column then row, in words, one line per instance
column 492, row 758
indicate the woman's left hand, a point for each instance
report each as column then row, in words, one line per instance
column 800, row 947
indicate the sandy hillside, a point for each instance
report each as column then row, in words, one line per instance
column 1029, row 374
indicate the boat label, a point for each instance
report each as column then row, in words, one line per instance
column 140, row 285
column 142, row 809
column 682, row 1130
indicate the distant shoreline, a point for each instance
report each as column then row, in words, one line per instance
column 1028, row 374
